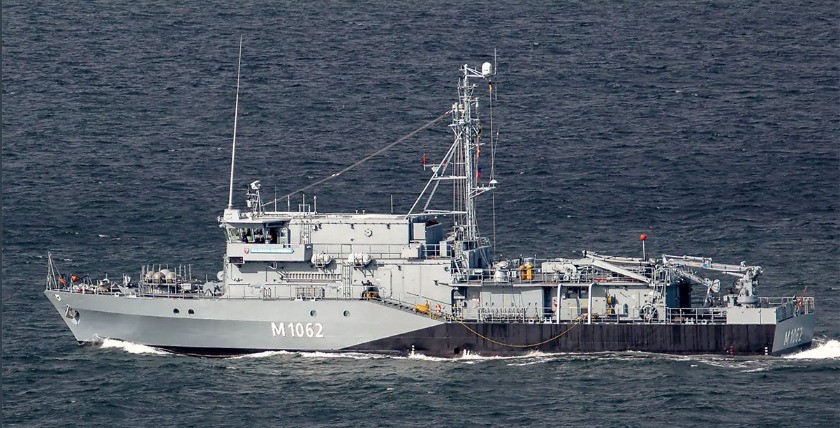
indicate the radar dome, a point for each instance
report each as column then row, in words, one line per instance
column 486, row 69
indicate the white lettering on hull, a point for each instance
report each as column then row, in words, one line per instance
column 297, row 329
column 278, row 329
column 793, row 336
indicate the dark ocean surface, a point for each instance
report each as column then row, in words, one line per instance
column 711, row 126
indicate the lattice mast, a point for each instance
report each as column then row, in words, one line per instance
column 459, row 166
column 466, row 127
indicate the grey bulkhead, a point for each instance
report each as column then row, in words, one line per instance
column 399, row 263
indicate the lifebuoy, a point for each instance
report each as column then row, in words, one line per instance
column 437, row 308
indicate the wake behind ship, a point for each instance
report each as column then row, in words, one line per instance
column 428, row 282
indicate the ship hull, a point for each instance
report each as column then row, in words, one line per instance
column 452, row 339
column 220, row 327
column 230, row 326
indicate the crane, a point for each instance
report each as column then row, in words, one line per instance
column 744, row 286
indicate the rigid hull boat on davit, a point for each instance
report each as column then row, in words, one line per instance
column 428, row 282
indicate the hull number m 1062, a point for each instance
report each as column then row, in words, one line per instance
column 793, row 336
column 297, row 329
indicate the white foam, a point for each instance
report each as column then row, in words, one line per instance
column 264, row 354
column 311, row 354
column 467, row 356
column 470, row 358
column 130, row 347
column 350, row 355
column 824, row 351
column 421, row 357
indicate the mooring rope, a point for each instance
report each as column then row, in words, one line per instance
column 369, row 157
column 578, row 322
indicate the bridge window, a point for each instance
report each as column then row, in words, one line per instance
column 234, row 235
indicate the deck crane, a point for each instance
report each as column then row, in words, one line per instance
column 744, row 286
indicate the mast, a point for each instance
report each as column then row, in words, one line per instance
column 460, row 164
column 235, row 117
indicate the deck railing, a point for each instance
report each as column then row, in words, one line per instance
column 695, row 315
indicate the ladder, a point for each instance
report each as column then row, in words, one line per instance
column 305, row 229
column 347, row 279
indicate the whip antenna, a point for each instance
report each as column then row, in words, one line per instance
column 235, row 117
column 493, row 143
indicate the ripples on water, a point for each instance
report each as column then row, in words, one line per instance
column 821, row 350
column 712, row 127
column 349, row 389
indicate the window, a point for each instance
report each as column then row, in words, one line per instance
column 234, row 235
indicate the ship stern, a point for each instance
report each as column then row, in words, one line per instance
column 793, row 334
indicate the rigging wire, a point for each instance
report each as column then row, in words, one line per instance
column 367, row 158
column 578, row 321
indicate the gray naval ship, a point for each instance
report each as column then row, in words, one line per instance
column 427, row 282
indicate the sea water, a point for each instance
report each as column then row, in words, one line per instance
column 712, row 127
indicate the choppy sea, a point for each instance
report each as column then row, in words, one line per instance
column 710, row 126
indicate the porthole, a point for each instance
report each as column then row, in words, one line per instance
column 191, row 311
column 346, row 313
column 175, row 311
column 312, row 313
